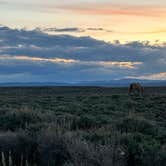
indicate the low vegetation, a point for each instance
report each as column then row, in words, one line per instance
column 82, row 127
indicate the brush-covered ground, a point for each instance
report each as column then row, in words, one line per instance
column 82, row 126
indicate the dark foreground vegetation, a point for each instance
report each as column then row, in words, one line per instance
column 82, row 127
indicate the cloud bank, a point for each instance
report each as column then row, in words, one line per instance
column 34, row 56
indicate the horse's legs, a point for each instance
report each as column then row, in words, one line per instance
column 130, row 90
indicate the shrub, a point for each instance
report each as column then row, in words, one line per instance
column 133, row 124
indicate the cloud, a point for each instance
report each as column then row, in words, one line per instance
column 74, row 29
column 41, row 57
column 82, row 30
column 156, row 76
column 2, row 2
column 114, row 9
column 99, row 29
column 92, row 8
column 27, row 58
column 121, row 64
column 108, row 64
column 95, row 29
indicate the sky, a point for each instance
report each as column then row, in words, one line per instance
column 82, row 40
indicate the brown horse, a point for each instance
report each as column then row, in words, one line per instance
column 136, row 89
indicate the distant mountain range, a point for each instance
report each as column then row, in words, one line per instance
column 125, row 82
column 111, row 83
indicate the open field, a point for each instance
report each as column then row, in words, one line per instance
column 82, row 126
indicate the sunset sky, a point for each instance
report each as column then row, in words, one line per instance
column 99, row 40
column 123, row 20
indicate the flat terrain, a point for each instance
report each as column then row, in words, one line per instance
column 74, row 91
column 87, row 126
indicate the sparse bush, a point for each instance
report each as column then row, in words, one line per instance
column 132, row 124
column 81, row 126
column 53, row 148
